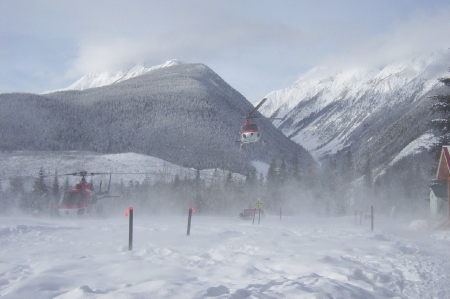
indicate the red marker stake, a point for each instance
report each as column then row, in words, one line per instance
column 129, row 211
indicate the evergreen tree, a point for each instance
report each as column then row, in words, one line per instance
column 261, row 180
column 272, row 174
column 441, row 108
column 348, row 168
column 367, row 174
column 40, row 188
column 282, row 172
column 228, row 180
column 55, row 187
column 176, row 182
column 40, row 192
column 295, row 167
column 17, row 187
column 311, row 175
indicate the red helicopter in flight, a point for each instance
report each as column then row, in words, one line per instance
column 249, row 131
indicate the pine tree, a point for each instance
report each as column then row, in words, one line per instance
column 39, row 187
column 295, row 167
column 311, row 175
column 349, row 168
column 441, row 108
column 228, row 180
column 282, row 172
column 272, row 174
column 40, row 192
column 175, row 184
column 367, row 174
column 55, row 187
column 17, row 187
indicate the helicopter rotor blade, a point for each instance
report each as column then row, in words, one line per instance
column 256, row 107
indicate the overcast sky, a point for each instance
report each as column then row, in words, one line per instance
column 256, row 46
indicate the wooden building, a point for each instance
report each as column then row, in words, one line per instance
column 443, row 171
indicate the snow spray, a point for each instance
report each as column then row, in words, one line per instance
column 129, row 211
column 191, row 210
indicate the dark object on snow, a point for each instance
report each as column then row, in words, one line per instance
column 249, row 213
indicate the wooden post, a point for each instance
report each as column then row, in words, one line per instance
column 259, row 215
column 130, row 230
column 254, row 214
column 191, row 209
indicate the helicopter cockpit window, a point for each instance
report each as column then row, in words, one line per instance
column 250, row 127
column 73, row 198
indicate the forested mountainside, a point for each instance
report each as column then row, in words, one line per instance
column 185, row 114
column 374, row 114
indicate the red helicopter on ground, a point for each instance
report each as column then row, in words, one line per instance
column 249, row 131
column 82, row 199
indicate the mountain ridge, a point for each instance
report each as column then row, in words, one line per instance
column 184, row 114
column 354, row 108
column 93, row 79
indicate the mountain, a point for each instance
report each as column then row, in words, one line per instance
column 93, row 80
column 375, row 113
column 184, row 114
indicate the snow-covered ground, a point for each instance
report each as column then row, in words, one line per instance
column 224, row 257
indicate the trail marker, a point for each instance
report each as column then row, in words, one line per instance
column 129, row 211
column 191, row 210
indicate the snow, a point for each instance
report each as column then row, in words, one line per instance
column 261, row 168
column 356, row 94
column 224, row 257
column 417, row 146
column 93, row 80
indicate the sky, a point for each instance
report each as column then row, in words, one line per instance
column 257, row 46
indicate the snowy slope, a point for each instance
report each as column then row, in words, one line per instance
column 324, row 109
column 223, row 257
column 27, row 164
column 93, row 80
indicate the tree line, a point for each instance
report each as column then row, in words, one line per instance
column 334, row 188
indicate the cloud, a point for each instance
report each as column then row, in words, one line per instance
column 256, row 45
column 420, row 33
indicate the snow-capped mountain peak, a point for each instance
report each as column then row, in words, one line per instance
column 326, row 111
column 93, row 79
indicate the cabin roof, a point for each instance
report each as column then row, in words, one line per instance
column 443, row 171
